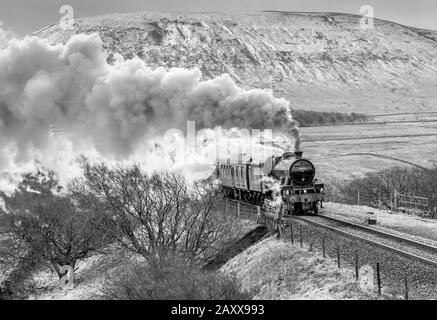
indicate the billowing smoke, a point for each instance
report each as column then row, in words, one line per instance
column 60, row 101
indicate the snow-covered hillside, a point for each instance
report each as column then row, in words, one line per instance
column 320, row 61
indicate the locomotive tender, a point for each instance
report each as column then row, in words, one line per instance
column 252, row 183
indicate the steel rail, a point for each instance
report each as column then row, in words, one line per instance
column 372, row 242
column 383, row 233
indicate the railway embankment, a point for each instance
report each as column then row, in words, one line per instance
column 399, row 268
column 256, row 233
column 276, row 269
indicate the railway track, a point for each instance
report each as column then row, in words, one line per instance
column 400, row 264
column 408, row 248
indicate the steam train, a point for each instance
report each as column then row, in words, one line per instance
column 288, row 176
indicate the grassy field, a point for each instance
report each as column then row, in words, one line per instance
column 334, row 149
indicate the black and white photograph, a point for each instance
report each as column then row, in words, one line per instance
column 218, row 155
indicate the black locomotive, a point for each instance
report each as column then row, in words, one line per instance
column 288, row 176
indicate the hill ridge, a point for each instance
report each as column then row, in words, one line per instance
column 319, row 61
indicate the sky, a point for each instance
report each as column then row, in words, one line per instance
column 25, row 16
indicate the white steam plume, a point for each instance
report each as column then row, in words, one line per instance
column 60, row 101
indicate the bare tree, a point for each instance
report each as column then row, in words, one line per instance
column 156, row 215
column 49, row 226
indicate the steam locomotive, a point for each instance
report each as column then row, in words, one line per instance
column 288, row 176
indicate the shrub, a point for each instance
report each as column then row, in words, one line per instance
column 308, row 117
column 381, row 185
column 171, row 278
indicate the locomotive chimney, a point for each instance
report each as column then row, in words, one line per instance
column 298, row 154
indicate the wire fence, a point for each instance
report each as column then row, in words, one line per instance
column 394, row 202
column 243, row 211
column 378, row 270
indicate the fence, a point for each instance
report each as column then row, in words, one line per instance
column 245, row 211
column 391, row 275
column 241, row 210
column 404, row 202
column 394, row 201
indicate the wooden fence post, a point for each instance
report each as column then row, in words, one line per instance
column 378, row 278
column 338, row 256
column 311, row 245
column 356, row 265
column 395, row 200
column 279, row 228
column 291, row 233
column 258, row 214
column 358, row 196
column 406, row 287
column 226, row 206
column 238, row 210
column 323, row 247
column 379, row 200
column 391, row 201
column 301, row 237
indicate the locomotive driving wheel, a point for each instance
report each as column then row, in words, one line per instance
column 297, row 208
